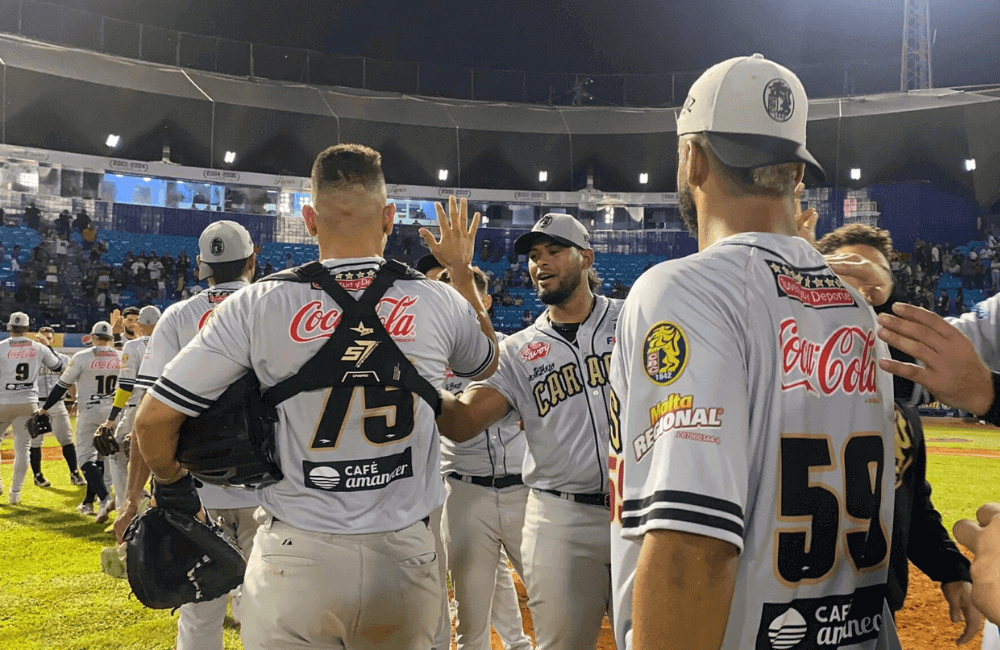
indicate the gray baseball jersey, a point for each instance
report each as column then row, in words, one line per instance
column 95, row 373
column 982, row 326
column 132, row 357
column 47, row 377
column 748, row 406
column 498, row 451
column 177, row 327
column 20, row 361
column 361, row 460
column 560, row 391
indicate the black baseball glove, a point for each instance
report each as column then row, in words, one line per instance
column 173, row 559
column 38, row 425
column 104, row 441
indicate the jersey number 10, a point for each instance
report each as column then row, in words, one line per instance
column 809, row 554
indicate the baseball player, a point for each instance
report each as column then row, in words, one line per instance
column 227, row 260
column 554, row 376
column 60, row 414
column 20, row 359
column 483, row 517
column 94, row 371
column 751, row 429
column 128, row 395
column 344, row 556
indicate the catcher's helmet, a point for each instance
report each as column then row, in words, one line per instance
column 231, row 443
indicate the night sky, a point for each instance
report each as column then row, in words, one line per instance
column 595, row 36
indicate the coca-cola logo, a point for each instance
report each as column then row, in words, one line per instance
column 844, row 362
column 534, row 351
column 26, row 353
column 312, row 322
column 105, row 364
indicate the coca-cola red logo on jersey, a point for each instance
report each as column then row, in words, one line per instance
column 26, row 353
column 312, row 322
column 844, row 362
column 105, row 364
column 534, row 351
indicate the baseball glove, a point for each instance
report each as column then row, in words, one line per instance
column 173, row 559
column 38, row 425
column 104, row 441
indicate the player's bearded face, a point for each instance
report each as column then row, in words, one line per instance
column 129, row 324
column 685, row 200
column 552, row 291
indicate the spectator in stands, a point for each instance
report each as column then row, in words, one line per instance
column 33, row 217
column 943, row 303
column 289, row 262
column 155, row 268
column 82, row 221
column 183, row 265
column 64, row 225
column 161, row 290
column 3, row 253
column 15, row 261
column 959, row 301
column 138, row 266
column 168, row 266
column 268, row 269
column 935, row 259
column 527, row 319
column 995, row 274
column 967, row 272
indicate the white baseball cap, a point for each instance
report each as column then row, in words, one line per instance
column 222, row 241
column 18, row 319
column 563, row 228
column 148, row 315
column 753, row 113
column 102, row 328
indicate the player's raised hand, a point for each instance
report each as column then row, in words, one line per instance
column 875, row 282
column 117, row 324
column 458, row 237
column 952, row 370
column 806, row 219
column 983, row 539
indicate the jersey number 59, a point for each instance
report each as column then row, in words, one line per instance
column 809, row 554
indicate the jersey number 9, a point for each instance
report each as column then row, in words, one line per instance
column 809, row 554
column 21, row 371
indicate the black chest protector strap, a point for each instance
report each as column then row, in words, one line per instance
column 360, row 351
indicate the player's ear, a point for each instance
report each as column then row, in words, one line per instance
column 586, row 258
column 487, row 302
column 388, row 217
column 309, row 217
column 799, row 174
column 698, row 166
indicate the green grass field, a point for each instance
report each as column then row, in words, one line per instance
column 53, row 595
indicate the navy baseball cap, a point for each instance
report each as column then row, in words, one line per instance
column 428, row 262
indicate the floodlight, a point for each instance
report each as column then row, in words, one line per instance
column 970, row 165
column 113, row 140
column 643, row 178
column 230, row 157
column 855, row 174
column 543, row 176
column 442, row 174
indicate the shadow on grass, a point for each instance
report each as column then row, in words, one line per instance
column 64, row 523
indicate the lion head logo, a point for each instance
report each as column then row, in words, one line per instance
column 217, row 246
column 665, row 351
column 544, row 222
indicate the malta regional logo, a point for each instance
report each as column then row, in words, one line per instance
column 778, row 100
column 665, row 353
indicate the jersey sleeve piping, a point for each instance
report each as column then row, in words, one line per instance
column 684, row 511
column 184, row 400
column 145, row 381
column 483, row 366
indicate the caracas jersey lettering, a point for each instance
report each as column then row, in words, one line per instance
column 312, row 322
column 564, row 382
column 828, row 367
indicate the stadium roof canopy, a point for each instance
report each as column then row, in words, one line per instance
column 67, row 99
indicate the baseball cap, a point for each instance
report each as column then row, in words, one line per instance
column 222, row 241
column 562, row 228
column 753, row 113
column 148, row 315
column 102, row 328
column 428, row 262
column 18, row 319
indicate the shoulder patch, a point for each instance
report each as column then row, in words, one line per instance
column 665, row 353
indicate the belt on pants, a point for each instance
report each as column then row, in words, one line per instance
column 603, row 500
column 498, row 482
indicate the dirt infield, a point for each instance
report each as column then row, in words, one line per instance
column 971, row 453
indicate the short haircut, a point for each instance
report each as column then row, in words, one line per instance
column 99, row 337
column 854, row 234
column 46, row 330
column 18, row 330
column 776, row 181
column 347, row 165
column 478, row 276
column 130, row 311
column 228, row 271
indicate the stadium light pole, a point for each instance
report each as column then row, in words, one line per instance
column 916, row 73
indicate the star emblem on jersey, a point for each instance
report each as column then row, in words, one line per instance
column 817, row 288
column 665, row 353
column 362, row 330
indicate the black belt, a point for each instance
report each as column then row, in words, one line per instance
column 603, row 500
column 498, row 482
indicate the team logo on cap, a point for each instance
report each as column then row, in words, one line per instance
column 778, row 100
column 664, row 353
column 217, row 246
column 544, row 222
